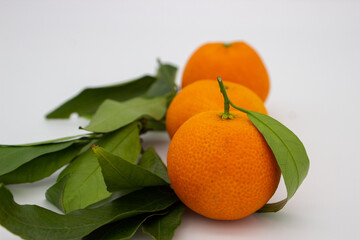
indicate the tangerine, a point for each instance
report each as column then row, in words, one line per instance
column 205, row 95
column 222, row 169
column 236, row 62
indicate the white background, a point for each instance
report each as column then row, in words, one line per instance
column 50, row 50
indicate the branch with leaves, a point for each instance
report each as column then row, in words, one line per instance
column 111, row 186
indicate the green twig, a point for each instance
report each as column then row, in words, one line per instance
column 227, row 103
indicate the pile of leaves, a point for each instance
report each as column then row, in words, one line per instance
column 110, row 186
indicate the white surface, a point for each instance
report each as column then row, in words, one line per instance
column 49, row 50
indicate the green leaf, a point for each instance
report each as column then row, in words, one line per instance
column 163, row 227
column 123, row 229
column 12, row 157
column 273, row 207
column 77, row 138
column 113, row 196
column 151, row 161
column 120, row 174
column 289, row 152
column 86, row 184
column 55, row 194
column 41, row 167
column 149, row 124
column 113, row 115
column 33, row 222
column 165, row 81
column 87, row 101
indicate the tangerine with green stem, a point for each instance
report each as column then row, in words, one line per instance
column 220, row 166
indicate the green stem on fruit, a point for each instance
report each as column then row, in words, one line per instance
column 226, row 114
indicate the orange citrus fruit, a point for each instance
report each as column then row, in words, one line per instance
column 205, row 95
column 236, row 62
column 222, row 169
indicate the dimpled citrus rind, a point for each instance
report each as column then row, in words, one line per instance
column 221, row 169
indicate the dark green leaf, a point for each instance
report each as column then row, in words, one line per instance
column 33, row 222
column 288, row 151
column 55, row 194
column 86, row 184
column 163, row 227
column 87, row 102
column 149, row 124
column 151, row 161
column 41, row 167
column 165, row 81
column 113, row 196
column 123, row 229
column 273, row 207
column 120, row 174
column 12, row 157
column 113, row 115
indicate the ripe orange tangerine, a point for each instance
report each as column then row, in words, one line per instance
column 205, row 95
column 222, row 169
column 236, row 62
